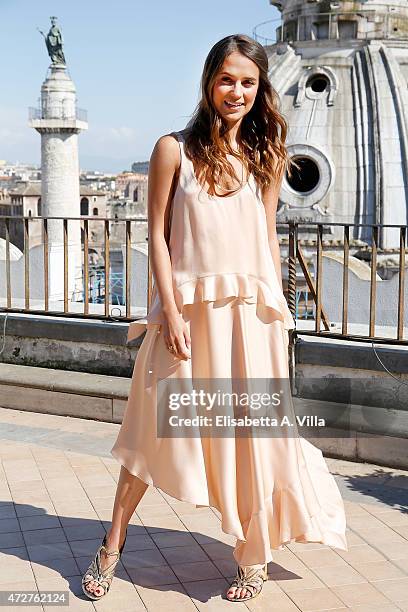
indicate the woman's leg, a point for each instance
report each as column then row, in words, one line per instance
column 129, row 492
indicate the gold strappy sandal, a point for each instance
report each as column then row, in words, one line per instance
column 105, row 576
column 251, row 579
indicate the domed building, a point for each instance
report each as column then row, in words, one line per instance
column 341, row 70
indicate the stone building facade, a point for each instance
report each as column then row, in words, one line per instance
column 341, row 69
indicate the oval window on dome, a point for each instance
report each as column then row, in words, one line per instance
column 318, row 83
column 305, row 178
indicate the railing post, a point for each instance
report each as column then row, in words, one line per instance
column 319, row 276
column 401, row 284
column 127, row 264
column 26, row 264
column 346, row 252
column 65, row 225
column 8, row 274
column 107, row 266
column 373, row 280
column 86, row 267
column 46, row 269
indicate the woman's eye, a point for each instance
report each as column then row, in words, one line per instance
column 245, row 83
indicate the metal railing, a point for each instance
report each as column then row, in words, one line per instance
column 58, row 112
column 103, row 281
column 315, row 284
column 386, row 25
column 107, row 278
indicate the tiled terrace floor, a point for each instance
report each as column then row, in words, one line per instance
column 57, row 483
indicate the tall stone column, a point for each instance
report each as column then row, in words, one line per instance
column 59, row 122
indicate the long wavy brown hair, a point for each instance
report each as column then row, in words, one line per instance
column 263, row 129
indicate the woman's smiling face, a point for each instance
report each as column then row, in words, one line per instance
column 235, row 87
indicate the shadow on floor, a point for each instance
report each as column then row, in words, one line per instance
column 163, row 558
column 378, row 487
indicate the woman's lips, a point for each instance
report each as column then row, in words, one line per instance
column 233, row 106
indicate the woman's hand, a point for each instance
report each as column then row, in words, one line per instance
column 176, row 334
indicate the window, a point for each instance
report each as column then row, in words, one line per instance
column 306, row 178
column 84, row 207
column 347, row 29
column 318, row 83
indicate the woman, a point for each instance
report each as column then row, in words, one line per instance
column 218, row 313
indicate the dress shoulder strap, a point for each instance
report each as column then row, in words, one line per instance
column 186, row 165
column 181, row 141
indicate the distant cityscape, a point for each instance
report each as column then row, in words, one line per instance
column 123, row 193
column 102, row 195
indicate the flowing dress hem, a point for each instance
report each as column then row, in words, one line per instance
column 328, row 537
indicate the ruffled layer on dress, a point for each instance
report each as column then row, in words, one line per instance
column 304, row 509
column 217, row 287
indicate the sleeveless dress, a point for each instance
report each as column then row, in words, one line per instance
column 268, row 490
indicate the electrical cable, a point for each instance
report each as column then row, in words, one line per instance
column 385, row 367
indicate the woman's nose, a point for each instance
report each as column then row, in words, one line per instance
column 238, row 89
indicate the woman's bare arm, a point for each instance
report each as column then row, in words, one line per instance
column 163, row 167
column 270, row 198
column 163, row 172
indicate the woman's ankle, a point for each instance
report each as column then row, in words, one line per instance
column 114, row 538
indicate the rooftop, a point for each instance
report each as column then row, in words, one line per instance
column 27, row 189
column 34, row 189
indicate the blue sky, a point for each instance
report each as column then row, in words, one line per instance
column 136, row 66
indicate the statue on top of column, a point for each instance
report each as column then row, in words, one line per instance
column 54, row 42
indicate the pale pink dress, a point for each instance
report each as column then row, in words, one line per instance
column 268, row 490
